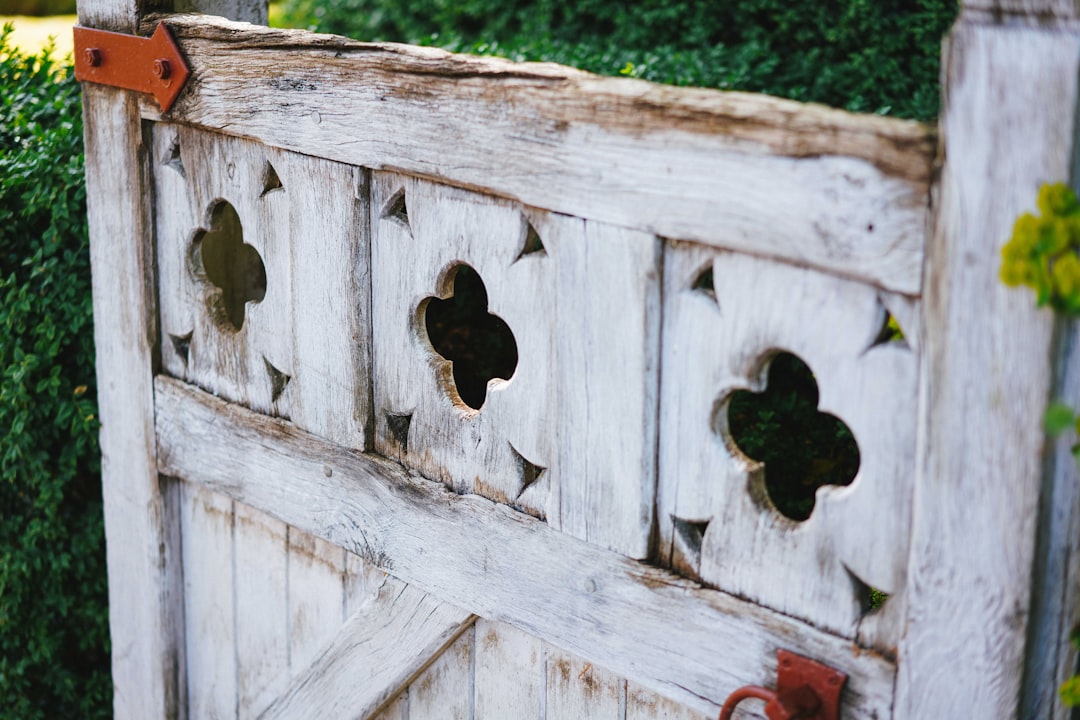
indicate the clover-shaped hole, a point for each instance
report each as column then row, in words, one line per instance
column 231, row 265
column 801, row 448
column 478, row 345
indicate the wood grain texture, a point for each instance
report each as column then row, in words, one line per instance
column 987, row 378
column 315, row 596
column 303, row 349
column 209, row 603
column 1041, row 11
column 499, row 563
column 445, row 688
column 262, row 604
column 581, row 402
column 145, row 614
column 377, row 652
column 772, row 177
column 717, row 342
column 503, row 653
column 577, row 689
column 1055, row 593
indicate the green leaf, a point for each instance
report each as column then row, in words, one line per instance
column 1070, row 691
column 1059, row 418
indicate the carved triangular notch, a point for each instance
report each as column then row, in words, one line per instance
column 270, row 180
column 278, row 380
column 398, row 425
column 889, row 331
column 686, row 548
column 528, row 471
column 182, row 345
column 172, row 159
column 397, row 211
column 532, row 245
column 870, row 599
column 703, row 283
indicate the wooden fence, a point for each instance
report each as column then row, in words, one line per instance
column 309, row 516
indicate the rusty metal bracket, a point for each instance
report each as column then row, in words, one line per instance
column 805, row 690
column 150, row 65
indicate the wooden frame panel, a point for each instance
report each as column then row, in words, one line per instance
column 820, row 187
column 499, row 563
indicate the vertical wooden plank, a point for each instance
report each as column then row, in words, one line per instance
column 316, row 587
column 144, row 618
column 252, row 11
column 510, row 675
column 330, row 257
column 209, row 603
column 445, row 688
column 578, row 689
column 362, row 582
column 1008, row 126
column 398, row 709
column 261, row 618
column 607, row 360
column 642, row 704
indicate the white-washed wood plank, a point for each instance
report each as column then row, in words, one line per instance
column 362, row 582
column 578, row 689
column 642, row 704
column 377, row 652
column 719, row 342
column 331, row 299
column 607, row 335
column 261, row 602
column 1035, row 11
column 252, row 11
column 396, row 710
column 988, row 375
column 499, row 563
column 316, row 589
column 510, row 674
column 303, row 351
column 814, row 185
column 584, row 361
column 145, row 614
column 209, row 602
column 445, row 689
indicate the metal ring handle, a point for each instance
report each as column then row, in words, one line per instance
column 744, row 693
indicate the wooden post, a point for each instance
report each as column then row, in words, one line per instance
column 145, row 608
column 1008, row 126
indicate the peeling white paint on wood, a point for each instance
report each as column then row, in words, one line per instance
column 571, row 436
column 499, row 563
column 814, row 185
column 720, row 341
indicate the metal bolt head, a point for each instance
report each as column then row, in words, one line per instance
column 162, row 71
column 93, row 56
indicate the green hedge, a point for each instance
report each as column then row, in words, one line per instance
column 54, row 655
column 877, row 56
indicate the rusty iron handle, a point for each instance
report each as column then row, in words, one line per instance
column 744, row 693
column 805, row 690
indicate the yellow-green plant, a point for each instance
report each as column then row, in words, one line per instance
column 1044, row 255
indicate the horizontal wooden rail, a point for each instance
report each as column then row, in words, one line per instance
column 820, row 187
column 692, row 644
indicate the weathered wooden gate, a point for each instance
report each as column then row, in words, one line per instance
column 306, row 516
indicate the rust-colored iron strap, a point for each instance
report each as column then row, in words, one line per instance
column 150, row 65
column 805, row 690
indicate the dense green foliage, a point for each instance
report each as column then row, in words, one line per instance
column 864, row 55
column 54, row 660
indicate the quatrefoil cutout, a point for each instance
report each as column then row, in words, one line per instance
column 478, row 344
column 232, row 266
column 801, row 447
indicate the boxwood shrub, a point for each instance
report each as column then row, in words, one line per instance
column 54, row 654
column 877, row 56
